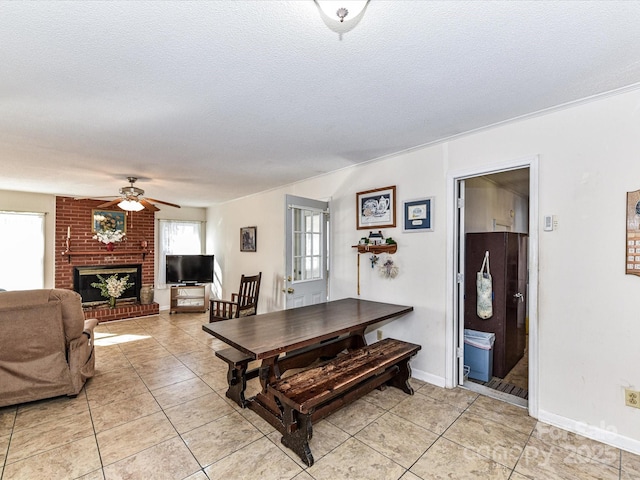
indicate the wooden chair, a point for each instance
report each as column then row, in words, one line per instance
column 242, row 304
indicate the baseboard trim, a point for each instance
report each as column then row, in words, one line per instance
column 428, row 377
column 594, row 433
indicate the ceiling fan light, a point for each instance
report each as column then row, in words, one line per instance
column 130, row 205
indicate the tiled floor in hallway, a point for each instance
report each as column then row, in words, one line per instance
column 156, row 409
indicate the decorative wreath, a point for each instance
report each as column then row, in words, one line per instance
column 388, row 269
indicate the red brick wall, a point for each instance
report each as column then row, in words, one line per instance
column 78, row 215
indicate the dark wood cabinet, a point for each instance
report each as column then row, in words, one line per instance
column 508, row 260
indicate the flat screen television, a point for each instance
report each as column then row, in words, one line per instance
column 189, row 269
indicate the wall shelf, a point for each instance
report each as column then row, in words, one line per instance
column 376, row 249
column 70, row 253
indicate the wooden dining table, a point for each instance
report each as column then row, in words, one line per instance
column 298, row 337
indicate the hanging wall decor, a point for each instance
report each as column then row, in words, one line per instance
column 376, row 208
column 389, row 269
column 248, row 239
column 418, row 215
column 104, row 220
column 633, row 233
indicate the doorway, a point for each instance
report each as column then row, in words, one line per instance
column 503, row 201
column 306, row 238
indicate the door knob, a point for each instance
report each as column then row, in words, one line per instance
column 288, row 290
column 519, row 296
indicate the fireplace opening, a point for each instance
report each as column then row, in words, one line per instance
column 83, row 277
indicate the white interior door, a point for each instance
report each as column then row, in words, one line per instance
column 307, row 225
column 460, row 280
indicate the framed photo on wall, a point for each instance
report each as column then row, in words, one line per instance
column 633, row 233
column 418, row 215
column 248, row 240
column 108, row 220
column 376, row 208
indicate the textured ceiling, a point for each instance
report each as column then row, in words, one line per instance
column 209, row 101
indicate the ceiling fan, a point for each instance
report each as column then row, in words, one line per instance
column 132, row 199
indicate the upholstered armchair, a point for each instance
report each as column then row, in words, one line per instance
column 46, row 345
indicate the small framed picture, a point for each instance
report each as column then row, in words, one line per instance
column 418, row 215
column 248, row 240
column 108, row 220
column 376, row 208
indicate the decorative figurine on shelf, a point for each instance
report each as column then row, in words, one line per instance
column 376, row 238
column 374, row 260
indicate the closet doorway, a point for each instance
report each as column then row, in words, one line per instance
column 493, row 214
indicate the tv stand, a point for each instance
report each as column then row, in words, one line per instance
column 189, row 298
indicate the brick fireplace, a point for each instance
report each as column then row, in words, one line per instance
column 74, row 218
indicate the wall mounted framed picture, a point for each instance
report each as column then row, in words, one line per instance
column 633, row 233
column 108, row 220
column 376, row 208
column 248, row 239
column 418, row 215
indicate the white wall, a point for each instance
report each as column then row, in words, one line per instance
column 485, row 203
column 35, row 202
column 588, row 321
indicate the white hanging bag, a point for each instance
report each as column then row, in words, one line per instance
column 484, row 287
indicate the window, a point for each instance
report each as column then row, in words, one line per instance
column 307, row 246
column 21, row 250
column 178, row 237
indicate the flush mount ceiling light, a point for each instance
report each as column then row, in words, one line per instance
column 339, row 10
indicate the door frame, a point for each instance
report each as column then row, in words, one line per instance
column 452, row 309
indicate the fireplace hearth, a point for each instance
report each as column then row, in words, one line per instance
column 84, row 276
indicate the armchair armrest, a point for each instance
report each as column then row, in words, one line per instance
column 222, row 310
column 89, row 325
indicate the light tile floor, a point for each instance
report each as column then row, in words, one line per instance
column 156, row 409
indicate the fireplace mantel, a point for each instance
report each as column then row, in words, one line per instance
column 70, row 253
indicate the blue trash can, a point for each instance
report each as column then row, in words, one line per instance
column 478, row 354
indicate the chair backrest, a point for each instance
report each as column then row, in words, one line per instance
column 248, row 294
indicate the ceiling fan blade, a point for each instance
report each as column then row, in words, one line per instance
column 164, row 203
column 110, row 204
column 147, row 205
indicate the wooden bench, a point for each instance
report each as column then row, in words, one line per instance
column 316, row 392
column 238, row 362
column 238, row 373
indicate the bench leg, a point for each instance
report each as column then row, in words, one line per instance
column 401, row 379
column 298, row 432
column 237, row 379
